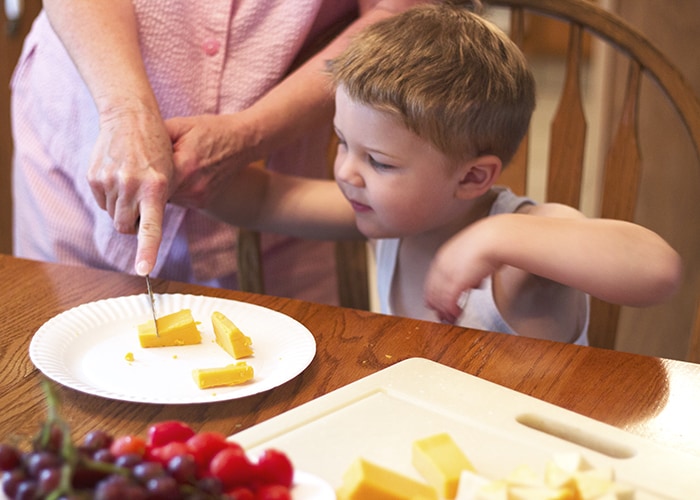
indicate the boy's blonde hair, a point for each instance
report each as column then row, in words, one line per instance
column 452, row 77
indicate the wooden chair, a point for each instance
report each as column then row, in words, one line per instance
column 622, row 167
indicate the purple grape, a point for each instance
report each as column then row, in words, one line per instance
column 128, row 460
column 53, row 442
column 9, row 457
column 26, row 490
column 48, row 480
column 183, row 468
column 164, row 487
column 113, row 487
column 210, row 485
column 97, row 440
column 146, row 471
column 37, row 461
column 11, row 480
column 103, row 455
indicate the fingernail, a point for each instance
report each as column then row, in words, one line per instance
column 142, row 268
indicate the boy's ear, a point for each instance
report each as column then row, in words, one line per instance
column 477, row 175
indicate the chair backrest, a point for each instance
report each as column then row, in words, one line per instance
column 622, row 166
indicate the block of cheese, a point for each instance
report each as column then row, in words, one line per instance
column 440, row 461
column 233, row 374
column 365, row 480
column 174, row 329
column 469, row 483
column 540, row 493
column 230, row 337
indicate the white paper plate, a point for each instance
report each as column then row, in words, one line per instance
column 85, row 347
column 310, row 487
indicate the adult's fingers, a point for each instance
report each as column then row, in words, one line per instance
column 150, row 235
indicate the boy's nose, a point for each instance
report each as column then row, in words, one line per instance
column 345, row 170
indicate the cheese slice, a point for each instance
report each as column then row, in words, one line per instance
column 440, row 461
column 230, row 337
column 174, row 329
column 365, row 480
column 233, row 374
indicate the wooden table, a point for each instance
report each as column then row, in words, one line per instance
column 656, row 398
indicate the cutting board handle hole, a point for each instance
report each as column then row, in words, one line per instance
column 576, row 435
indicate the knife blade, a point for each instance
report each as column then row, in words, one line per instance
column 153, row 303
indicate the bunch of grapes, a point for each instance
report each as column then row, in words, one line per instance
column 171, row 462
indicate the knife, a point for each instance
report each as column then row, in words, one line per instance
column 153, row 303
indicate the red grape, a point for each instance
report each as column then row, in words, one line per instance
column 166, row 432
column 128, row 444
column 274, row 467
column 232, row 467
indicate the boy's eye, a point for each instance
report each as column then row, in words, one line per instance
column 379, row 165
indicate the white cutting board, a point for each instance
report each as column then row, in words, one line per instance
column 378, row 417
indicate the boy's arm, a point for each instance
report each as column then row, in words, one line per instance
column 616, row 261
column 268, row 201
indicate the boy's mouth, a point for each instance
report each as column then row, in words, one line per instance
column 360, row 207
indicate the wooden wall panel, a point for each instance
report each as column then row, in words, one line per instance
column 11, row 39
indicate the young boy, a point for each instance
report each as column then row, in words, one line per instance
column 430, row 105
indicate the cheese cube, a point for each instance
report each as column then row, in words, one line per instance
column 234, row 374
column 618, row 492
column 495, row 490
column 594, row 483
column 230, row 337
column 469, row 484
column 540, row 493
column 365, row 480
column 174, row 329
column 556, row 477
column 570, row 461
column 440, row 461
column 524, row 475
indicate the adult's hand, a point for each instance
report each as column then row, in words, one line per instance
column 207, row 151
column 131, row 174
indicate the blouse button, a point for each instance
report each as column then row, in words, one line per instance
column 211, row 47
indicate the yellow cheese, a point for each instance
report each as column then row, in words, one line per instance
column 229, row 337
column 524, row 475
column 495, row 490
column 469, row 483
column 571, row 461
column 234, row 374
column 440, row 462
column 174, row 329
column 540, row 493
column 556, row 477
column 364, row 481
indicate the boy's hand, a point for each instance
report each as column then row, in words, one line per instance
column 461, row 264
